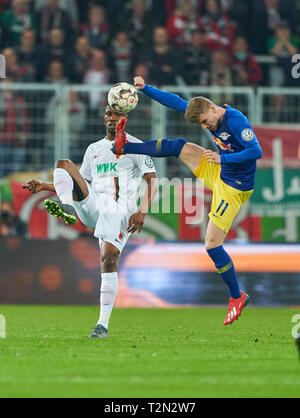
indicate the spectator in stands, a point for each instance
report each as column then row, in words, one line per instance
column 171, row 6
column 142, row 71
column 143, row 111
column 77, row 111
column 10, row 225
column 70, row 6
column 158, row 12
column 20, row 72
column 27, row 53
column 221, row 75
column 16, row 20
column 55, row 49
column 197, row 61
column 98, row 74
column 4, row 4
column 246, row 70
column 218, row 28
column 122, row 50
column 162, row 60
column 239, row 12
column 56, row 73
column 14, row 129
column 138, row 23
column 79, row 60
column 52, row 16
column 266, row 18
column 283, row 46
column 182, row 24
column 98, row 29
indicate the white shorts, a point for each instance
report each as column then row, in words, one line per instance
column 108, row 218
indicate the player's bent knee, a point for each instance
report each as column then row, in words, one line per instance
column 210, row 244
column 64, row 164
column 109, row 262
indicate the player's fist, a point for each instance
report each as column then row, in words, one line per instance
column 136, row 222
column 34, row 186
column 139, row 83
column 212, row 157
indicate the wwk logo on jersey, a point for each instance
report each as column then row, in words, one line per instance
column 106, row 168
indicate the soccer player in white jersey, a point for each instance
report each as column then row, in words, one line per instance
column 103, row 194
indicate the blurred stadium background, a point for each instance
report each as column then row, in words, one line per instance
column 62, row 58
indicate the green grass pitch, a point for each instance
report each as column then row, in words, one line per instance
column 150, row 353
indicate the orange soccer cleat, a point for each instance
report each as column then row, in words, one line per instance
column 236, row 307
column 121, row 139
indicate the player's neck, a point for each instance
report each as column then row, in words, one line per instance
column 110, row 136
column 221, row 112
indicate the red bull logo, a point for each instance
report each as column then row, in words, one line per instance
column 223, row 146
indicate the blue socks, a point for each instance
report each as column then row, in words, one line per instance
column 157, row 148
column 226, row 269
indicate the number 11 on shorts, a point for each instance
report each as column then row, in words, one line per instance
column 223, row 207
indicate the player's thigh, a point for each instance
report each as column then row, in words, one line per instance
column 191, row 155
column 87, row 209
column 109, row 257
column 225, row 206
column 81, row 191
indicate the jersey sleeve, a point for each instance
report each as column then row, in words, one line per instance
column 85, row 170
column 244, row 134
column 167, row 99
column 242, row 131
column 145, row 164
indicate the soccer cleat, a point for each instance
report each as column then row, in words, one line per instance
column 65, row 212
column 121, row 139
column 99, row 332
column 235, row 308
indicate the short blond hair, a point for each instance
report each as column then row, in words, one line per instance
column 196, row 107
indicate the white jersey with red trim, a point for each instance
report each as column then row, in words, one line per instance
column 116, row 177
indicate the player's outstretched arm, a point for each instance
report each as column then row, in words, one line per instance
column 167, row 99
column 36, row 186
column 252, row 153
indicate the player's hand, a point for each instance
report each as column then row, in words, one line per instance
column 139, row 83
column 212, row 157
column 136, row 222
column 34, row 186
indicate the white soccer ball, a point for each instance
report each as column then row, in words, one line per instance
column 123, row 97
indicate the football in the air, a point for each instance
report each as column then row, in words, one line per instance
column 123, row 97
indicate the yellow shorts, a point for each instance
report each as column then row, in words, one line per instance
column 227, row 200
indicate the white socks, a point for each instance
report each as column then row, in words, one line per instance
column 109, row 290
column 64, row 186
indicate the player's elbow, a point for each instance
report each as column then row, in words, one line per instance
column 259, row 153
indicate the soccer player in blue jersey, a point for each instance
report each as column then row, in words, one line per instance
column 230, row 174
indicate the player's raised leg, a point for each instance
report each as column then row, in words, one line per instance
column 190, row 154
column 214, row 240
column 69, row 186
column 109, row 288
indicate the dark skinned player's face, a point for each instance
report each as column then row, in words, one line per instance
column 111, row 121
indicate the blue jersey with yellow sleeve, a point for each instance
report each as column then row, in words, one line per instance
column 235, row 139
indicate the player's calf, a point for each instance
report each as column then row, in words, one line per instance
column 157, row 148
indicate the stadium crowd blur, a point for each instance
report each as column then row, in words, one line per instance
column 206, row 42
